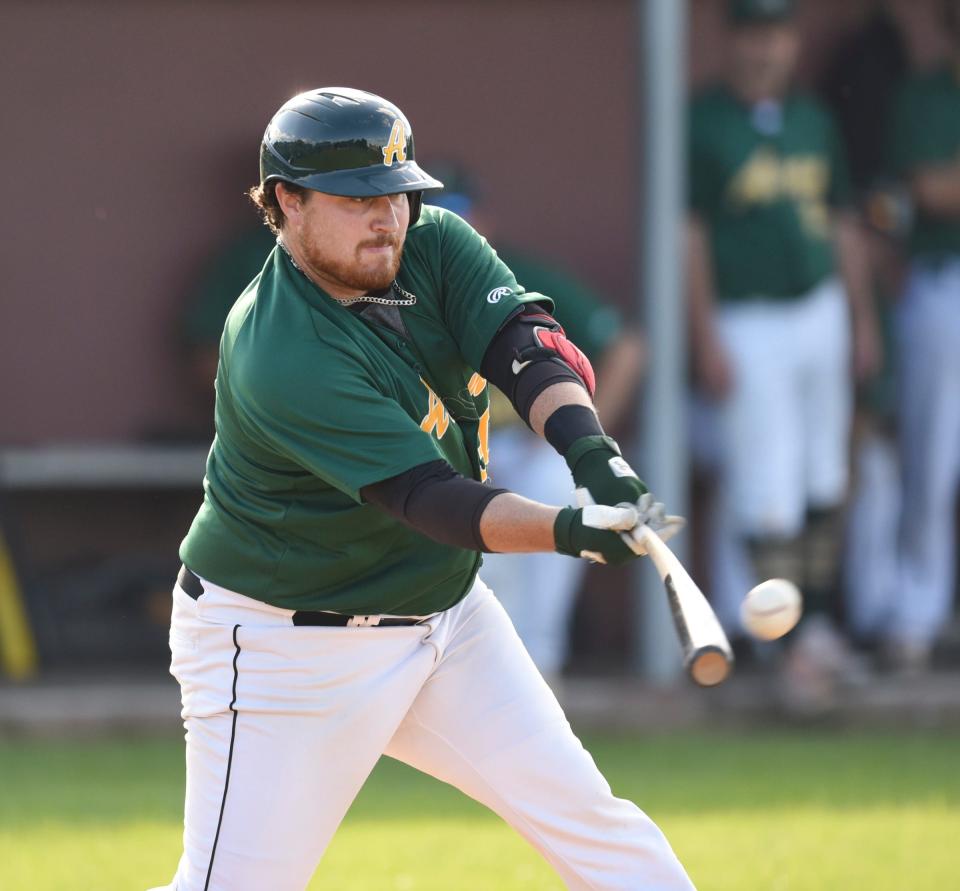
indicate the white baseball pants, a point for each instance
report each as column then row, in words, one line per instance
column 728, row 560
column 927, row 327
column 870, row 559
column 285, row 723
column 786, row 425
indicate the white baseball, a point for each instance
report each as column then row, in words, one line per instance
column 771, row 609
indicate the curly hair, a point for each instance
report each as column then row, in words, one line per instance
column 264, row 198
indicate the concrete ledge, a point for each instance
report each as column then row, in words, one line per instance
column 139, row 706
column 90, row 708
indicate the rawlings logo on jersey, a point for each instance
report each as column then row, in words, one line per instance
column 396, row 147
column 497, row 294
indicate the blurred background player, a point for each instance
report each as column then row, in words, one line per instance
column 774, row 332
column 539, row 590
column 227, row 273
column 925, row 153
column 859, row 84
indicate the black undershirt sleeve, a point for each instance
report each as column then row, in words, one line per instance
column 436, row 501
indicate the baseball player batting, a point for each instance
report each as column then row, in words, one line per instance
column 329, row 610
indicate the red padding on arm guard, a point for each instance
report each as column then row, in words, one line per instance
column 571, row 354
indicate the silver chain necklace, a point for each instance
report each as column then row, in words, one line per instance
column 405, row 298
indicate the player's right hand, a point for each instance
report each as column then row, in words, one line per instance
column 713, row 371
column 594, row 532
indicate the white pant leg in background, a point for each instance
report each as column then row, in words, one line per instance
column 870, row 551
column 761, row 420
column 823, row 328
column 927, row 329
column 786, row 423
column 487, row 723
column 538, row 591
column 730, row 571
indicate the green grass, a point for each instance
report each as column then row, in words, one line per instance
column 749, row 811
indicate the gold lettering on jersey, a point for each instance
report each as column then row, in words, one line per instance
column 805, row 177
column 757, row 181
column 766, row 178
column 483, row 435
column 476, row 385
column 436, row 418
column 396, row 146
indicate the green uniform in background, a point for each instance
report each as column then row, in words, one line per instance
column 925, row 131
column 231, row 270
column 764, row 180
column 282, row 518
column 588, row 321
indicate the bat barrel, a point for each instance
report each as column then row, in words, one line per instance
column 709, row 665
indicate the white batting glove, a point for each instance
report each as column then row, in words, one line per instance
column 650, row 513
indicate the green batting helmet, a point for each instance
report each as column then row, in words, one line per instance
column 344, row 142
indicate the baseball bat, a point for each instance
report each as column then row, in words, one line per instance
column 706, row 651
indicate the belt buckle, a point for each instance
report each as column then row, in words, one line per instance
column 363, row 621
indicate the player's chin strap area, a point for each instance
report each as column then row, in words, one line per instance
column 530, row 353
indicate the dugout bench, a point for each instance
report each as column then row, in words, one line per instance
column 80, row 525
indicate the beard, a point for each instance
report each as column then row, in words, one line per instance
column 362, row 272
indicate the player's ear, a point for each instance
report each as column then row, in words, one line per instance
column 291, row 200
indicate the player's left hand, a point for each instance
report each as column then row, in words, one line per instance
column 596, row 532
column 598, row 466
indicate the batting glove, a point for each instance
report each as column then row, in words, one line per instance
column 649, row 513
column 595, row 532
column 598, row 467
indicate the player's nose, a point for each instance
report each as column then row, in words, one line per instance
column 386, row 214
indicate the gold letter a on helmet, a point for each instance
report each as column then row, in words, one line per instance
column 396, row 146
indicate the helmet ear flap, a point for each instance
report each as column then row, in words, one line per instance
column 416, row 204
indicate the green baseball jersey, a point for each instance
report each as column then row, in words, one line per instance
column 925, row 132
column 315, row 401
column 764, row 179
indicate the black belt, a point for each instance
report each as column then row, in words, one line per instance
column 192, row 585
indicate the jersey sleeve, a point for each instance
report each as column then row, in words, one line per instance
column 840, row 191
column 914, row 138
column 342, row 428
column 480, row 292
column 225, row 279
column 704, row 182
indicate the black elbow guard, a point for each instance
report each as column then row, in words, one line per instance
column 530, row 353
